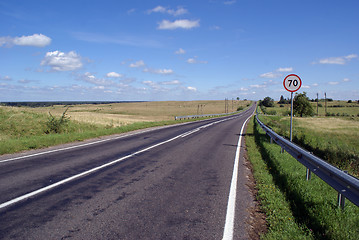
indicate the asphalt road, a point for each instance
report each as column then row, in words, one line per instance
column 164, row 183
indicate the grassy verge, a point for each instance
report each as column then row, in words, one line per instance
column 13, row 145
column 333, row 140
column 296, row 208
column 24, row 129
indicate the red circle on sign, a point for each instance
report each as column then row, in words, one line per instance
column 296, row 88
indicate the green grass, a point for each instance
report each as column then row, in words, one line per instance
column 337, row 108
column 333, row 140
column 24, row 129
column 296, row 208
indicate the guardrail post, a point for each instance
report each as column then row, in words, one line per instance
column 271, row 140
column 281, row 150
column 309, row 174
column 341, row 200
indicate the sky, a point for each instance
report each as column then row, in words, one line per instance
column 132, row 50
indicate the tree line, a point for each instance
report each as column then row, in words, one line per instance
column 301, row 104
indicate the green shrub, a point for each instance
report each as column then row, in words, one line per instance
column 57, row 125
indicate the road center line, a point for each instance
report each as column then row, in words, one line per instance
column 91, row 143
column 231, row 206
column 64, row 181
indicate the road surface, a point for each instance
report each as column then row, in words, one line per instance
column 180, row 182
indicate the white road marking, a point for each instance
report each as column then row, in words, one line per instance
column 54, row 185
column 83, row 145
column 231, row 206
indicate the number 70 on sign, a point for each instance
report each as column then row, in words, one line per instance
column 292, row 83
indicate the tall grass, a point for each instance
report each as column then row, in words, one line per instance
column 333, row 140
column 296, row 208
column 25, row 128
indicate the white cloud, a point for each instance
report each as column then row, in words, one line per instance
column 180, row 51
column 258, row 86
column 194, row 61
column 346, row 80
column 182, row 23
column 99, row 87
column 333, row 83
column 35, row 40
column 132, row 10
column 114, row 75
column 60, row 61
column 305, row 86
column 161, row 9
column 315, row 84
column 159, row 71
column 193, row 89
column 137, row 64
column 337, row 60
column 158, row 9
column 351, row 56
column 215, row 27
column 5, row 78
column 90, row 78
column 270, row 75
column 288, row 69
column 191, row 60
column 7, row 41
column 174, row 82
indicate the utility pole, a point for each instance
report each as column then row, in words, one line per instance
column 317, row 105
column 225, row 105
column 325, row 99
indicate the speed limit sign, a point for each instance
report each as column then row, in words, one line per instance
column 292, row 83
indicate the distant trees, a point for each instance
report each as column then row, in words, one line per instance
column 267, row 102
column 282, row 100
column 302, row 106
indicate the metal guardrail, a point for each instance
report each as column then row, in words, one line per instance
column 345, row 184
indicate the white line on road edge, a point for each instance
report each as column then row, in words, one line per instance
column 44, row 189
column 31, row 194
column 231, row 206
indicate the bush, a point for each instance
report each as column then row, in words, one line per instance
column 302, row 106
column 56, row 125
column 267, row 102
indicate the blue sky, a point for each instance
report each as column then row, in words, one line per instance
column 177, row 50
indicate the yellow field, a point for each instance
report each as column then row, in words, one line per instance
column 330, row 125
column 117, row 114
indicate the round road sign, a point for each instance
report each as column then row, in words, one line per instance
column 292, row 83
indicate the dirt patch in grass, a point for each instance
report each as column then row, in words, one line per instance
column 257, row 222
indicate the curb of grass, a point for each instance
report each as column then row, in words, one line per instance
column 295, row 208
column 281, row 222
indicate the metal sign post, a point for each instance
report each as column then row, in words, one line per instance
column 292, row 83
